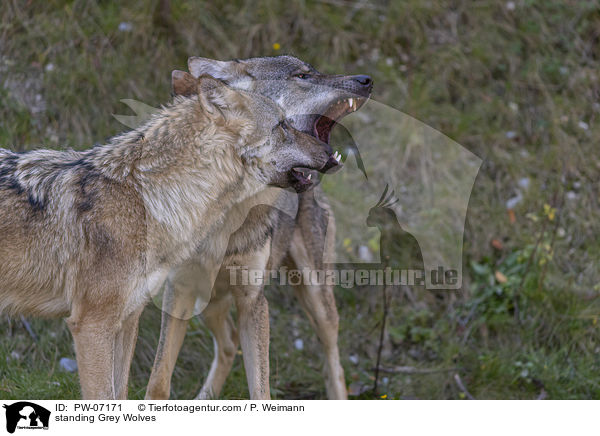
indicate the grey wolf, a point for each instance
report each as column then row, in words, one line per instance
column 90, row 235
column 313, row 102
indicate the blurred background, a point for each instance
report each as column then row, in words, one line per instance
column 515, row 82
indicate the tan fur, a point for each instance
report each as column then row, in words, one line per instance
column 91, row 235
column 304, row 243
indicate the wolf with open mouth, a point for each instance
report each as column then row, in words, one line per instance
column 313, row 103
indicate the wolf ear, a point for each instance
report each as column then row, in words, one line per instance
column 222, row 70
column 183, row 83
column 214, row 95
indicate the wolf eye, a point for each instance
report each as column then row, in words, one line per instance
column 302, row 75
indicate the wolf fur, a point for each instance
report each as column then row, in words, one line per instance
column 90, row 235
column 304, row 94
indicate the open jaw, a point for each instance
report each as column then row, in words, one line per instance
column 333, row 114
column 303, row 177
column 322, row 126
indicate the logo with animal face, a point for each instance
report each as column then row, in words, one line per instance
column 26, row 415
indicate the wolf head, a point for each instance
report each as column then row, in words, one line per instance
column 272, row 150
column 313, row 101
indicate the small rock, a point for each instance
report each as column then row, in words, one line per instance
column 68, row 365
column 583, row 125
column 510, row 6
column 512, row 202
column 299, row 344
column 511, row 134
column 356, row 388
column 513, row 106
column 353, row 358
column 365, row 254
column 125, row 26
column 524, row 182
column 571, row 195
column 49, row 67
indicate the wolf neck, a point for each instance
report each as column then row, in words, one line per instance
column 184, row 166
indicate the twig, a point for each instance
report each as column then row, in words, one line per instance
column 381, row 338
column 462, row 387
column 413, row 370
column 28, row 328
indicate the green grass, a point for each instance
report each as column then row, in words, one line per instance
column 472, row 70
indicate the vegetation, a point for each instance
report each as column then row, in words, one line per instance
column 517, row 83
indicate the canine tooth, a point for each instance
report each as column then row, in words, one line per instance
column 309, row 176
column 351, row 103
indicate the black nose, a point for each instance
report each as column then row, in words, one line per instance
column 364, row 80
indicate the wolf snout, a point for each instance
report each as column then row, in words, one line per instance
column 364, row 81
column 361, row 85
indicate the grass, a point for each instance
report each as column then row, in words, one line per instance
column 472, row 70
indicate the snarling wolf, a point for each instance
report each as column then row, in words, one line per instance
column 90, row 235
column 313, row 102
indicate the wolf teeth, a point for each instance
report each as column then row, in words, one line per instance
column 309, row 176
column 351, row 103
column 337, row 156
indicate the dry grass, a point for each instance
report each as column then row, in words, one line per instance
column 520, row 88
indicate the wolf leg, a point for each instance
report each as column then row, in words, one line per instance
column 178, row 305
column 94, row 337
column 226, row 341
column 317, row 302
column 309, row 246
column 124, row 349
column 253, row 326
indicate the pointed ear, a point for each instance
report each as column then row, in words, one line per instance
column 223, row 70
column 214, row 95
column 183, row 83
